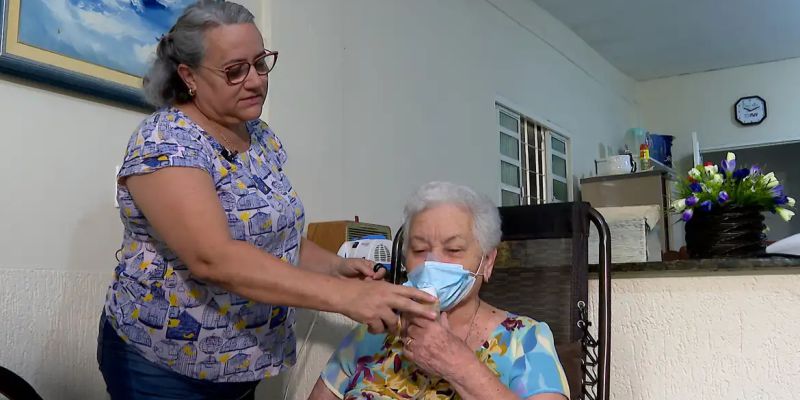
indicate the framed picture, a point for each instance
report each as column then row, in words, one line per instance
column 97, row 47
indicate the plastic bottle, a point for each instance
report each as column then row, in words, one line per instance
column 644, row 157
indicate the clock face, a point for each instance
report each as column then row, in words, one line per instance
column 750, row 110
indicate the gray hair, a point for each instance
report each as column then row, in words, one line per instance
column 184, row 44
column 485, row 216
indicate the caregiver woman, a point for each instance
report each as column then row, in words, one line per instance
column 201, row 305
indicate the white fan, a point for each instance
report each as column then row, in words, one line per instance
column 378, row 249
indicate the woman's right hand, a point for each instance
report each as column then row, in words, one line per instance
column 378, row 304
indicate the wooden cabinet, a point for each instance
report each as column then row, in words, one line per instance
column 637, row 189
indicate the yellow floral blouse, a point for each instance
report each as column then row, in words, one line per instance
column 519, row 351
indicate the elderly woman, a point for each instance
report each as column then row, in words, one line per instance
column 473, row 350
column 212, row 260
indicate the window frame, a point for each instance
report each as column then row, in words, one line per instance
column 549, row 131
column 567, row 156
column 503, row 158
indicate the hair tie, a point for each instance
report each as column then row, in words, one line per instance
column 166, row 45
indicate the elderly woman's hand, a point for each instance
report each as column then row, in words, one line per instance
column 434, row 348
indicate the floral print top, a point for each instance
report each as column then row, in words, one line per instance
column 519, row 351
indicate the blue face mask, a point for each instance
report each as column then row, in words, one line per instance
column 451, row 281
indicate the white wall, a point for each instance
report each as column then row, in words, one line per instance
column 58, row 179
column 58, row 234
column 49, row 333
column 704, row 102
column 705, row 337
column 305, row 100
column 373, row 98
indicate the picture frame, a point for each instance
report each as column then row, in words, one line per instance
column 101, row 49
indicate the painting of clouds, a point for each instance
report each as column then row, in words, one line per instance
column 116, row 34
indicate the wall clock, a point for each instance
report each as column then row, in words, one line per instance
column 750, row 110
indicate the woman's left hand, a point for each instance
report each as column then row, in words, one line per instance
column 433, row 346
column 360, row 268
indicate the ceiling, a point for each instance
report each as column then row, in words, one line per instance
column 647, row 39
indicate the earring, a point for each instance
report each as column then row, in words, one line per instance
column 192, row 92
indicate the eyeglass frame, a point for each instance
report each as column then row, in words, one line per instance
column 225, row 70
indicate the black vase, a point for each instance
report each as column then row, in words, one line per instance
column 726, row 232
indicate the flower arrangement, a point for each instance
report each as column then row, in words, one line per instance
column 709, row 187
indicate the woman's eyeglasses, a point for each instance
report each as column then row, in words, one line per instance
column 237, row 73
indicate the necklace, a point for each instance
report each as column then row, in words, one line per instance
column 228, row 143
column 472, row 323
column 229, row 155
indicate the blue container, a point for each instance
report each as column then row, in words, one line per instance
column 661, row 148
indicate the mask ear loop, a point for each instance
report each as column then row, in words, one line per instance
column 480, row 265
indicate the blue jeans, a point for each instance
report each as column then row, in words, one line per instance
column 129, row 376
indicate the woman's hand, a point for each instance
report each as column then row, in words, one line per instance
column 434, row 348
column 376, row 303
column 360, row 268
column 315, row 258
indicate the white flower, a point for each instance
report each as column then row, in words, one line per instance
column 770, row 180
column 717, row 179
column 694, row 173
column 773, row 183
column 790, row 201
column 785, row 214
column 730, row 156
column 679, row 205
column 711, row 169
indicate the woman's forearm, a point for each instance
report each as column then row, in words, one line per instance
column 183, row 207
column 254, row 274
column 475, row 381
column 315, row 258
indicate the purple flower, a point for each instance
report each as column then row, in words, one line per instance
column 728, row 165
column 687, row 215
column 696, row 187
column 723, row 197
column 706, row 205
column 777, row 191
column 512, row 324
column 779, row 200
column 755, row 170
column 740, row 174
column 691, row 201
